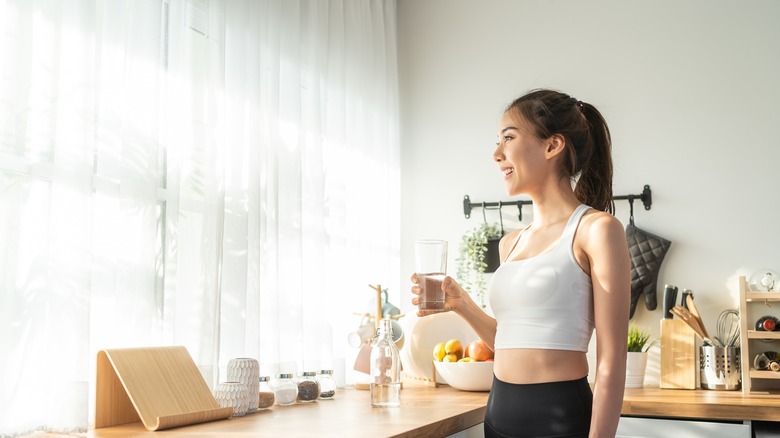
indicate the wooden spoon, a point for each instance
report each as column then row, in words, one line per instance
column 688, row 318
column 695, row 312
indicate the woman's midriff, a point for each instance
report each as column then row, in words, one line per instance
column 525, row 365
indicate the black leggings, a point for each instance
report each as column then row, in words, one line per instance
column 555, row 409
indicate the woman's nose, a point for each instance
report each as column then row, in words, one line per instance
column 498, row 155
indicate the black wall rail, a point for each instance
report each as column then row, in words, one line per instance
column 646, row 197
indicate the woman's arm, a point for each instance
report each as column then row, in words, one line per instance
column 607, row 252
column 456, row 299
column 482, row 323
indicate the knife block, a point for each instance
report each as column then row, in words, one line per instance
column 678, row 355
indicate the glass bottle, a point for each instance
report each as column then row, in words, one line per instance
column 308, row 388
column 767, row 323
column 266, row 393
column 327, row 384
column 285, row 390
column 385, row 366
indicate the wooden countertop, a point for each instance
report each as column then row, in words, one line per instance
column 701, row 404
column 437, row 412
column 425, row 411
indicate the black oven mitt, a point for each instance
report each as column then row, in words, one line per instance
column 647, row 251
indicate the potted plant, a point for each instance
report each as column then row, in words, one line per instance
column 478, row 254
column 636, row 359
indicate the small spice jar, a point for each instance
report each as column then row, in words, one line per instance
column 285, row 390
column 327, row 384
column 308, row 388
column 266, row 393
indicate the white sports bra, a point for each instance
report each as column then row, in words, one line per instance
column 545, row 301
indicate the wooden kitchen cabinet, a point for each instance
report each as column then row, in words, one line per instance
column 752, row 306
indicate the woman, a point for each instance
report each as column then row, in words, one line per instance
column 563, row 275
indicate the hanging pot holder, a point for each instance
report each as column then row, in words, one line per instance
column 647, row 252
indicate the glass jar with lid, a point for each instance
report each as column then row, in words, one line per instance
column 285, row 390
column 327, row 384
column 266, row 395
column 308, row 387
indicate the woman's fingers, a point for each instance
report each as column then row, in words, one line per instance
column 430, row 312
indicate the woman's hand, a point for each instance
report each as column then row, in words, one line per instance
column 454, row 295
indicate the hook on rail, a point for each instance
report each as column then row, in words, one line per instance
column 646, row 197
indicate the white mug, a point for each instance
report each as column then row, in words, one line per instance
column 367, row 331
column 361, row 335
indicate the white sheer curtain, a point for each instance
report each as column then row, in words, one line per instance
column 216, row 174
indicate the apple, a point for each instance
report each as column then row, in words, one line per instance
column 479, row 351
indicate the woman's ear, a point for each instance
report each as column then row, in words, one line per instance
column 555, row 145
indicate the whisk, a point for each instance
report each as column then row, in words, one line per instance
column 728, row 328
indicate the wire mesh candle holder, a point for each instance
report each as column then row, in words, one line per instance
column 233, row 395
column 247, row 371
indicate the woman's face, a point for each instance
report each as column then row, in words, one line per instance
column 520, row 156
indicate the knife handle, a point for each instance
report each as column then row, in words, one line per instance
column 685, row 294
column 670, row 297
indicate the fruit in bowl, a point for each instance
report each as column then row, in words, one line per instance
column 467, row 375
column 479, row 351
column 469, row 369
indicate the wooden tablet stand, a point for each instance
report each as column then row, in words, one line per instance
column 160, row 386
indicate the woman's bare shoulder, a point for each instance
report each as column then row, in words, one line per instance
column 599, row 227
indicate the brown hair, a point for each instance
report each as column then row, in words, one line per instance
column 589, row 146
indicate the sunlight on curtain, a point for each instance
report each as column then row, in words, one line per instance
column 222, row 175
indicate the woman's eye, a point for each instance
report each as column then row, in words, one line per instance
column 506, row 139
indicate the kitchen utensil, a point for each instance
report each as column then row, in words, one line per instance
column 695, row 312
column 685, row 294
column 728, row 328
column 670, row 296
column 719, row 368
column 685, row 315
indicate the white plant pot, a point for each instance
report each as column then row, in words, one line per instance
column 636, row 364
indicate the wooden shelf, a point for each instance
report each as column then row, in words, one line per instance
column 755, row 334
column 767, row 380
column 763, row 374
column 762, row 296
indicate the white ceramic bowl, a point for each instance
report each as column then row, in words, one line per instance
column 423, row 333
column 467, row 376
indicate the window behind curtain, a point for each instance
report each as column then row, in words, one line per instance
column 216, row 174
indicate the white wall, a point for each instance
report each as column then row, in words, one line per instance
column 691, row 91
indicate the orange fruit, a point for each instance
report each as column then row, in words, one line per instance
column 438, row 352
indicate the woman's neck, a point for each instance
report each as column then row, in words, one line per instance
column 553, row 205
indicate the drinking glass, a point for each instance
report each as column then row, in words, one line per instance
column 431, row 267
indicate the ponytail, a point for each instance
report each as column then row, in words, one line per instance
column 588, row 160
column 594, row 185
